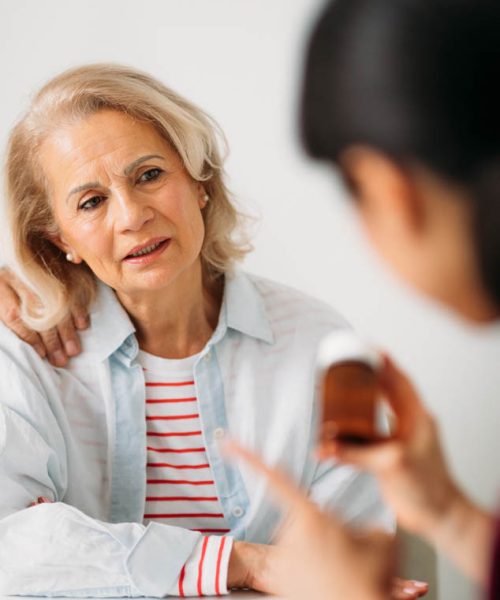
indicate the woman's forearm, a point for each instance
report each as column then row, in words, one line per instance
column 465, row 535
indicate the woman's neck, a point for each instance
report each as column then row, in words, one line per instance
column 177, row 321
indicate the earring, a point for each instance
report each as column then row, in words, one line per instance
column 206, row 197
column 70, row 257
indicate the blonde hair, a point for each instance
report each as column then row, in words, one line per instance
column 78, row 93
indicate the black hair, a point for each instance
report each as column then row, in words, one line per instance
column 417, row 80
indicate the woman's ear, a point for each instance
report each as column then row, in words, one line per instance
column 203, row 197
column 388, row 200
column 60, row 242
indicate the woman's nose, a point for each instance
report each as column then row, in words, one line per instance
column 132, row 211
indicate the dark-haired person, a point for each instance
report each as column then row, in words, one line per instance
column 403, row 98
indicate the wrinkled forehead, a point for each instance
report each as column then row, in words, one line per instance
column 100, row 145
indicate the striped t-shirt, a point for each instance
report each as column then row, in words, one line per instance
column 180, row 487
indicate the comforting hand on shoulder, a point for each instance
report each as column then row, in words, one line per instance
column 57, row 344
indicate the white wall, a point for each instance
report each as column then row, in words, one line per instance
column 240, row 60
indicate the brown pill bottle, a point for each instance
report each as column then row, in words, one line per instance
column 349, row 390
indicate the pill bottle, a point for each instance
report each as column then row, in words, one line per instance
column 348, row 390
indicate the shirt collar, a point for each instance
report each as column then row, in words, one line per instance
column 110, row 324
column 111, row 328
column 243, row 307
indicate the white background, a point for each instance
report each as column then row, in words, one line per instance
column 240, row 60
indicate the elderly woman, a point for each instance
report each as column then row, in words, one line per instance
column 112, row 480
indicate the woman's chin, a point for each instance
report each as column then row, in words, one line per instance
column 153, row 280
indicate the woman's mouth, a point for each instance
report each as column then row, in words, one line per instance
column 148, row 253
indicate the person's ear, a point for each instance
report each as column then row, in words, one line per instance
column 388, row 199
column 71, row 254
column 203, row 197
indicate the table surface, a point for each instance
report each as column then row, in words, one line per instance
column 232, row 596
column 244, row 596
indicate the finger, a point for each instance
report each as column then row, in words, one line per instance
column 403, row 594
column 400, row 592
column 408, row 588
column 326, row 449
column 81, row 319
column 69, row 337
column 27, row 335
column 421, row 586
column 10, row 316
column 399, row 386
column 54, row 347
column 402, row 396
column 411, row 584
column 8, row 278
column 280, row 485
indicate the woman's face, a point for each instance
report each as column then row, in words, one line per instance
column 123, row 202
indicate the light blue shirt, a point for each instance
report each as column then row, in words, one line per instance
column 78, row 436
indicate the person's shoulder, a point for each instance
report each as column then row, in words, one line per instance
column 21, row 367
column 29, row 384
column 31, row 414
column 285, row 303
column 15, row 350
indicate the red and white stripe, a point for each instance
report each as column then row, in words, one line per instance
column 180, row 487
column 205, row 572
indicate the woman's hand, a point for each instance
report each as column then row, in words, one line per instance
column 415, row 480
column 411, row 468
column 316, row 557
column 262, row 568
column 248, row 567
column 58, row 343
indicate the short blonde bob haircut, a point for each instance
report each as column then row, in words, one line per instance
column 76, row 94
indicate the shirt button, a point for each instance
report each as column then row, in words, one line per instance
column 219, row 433
column 238, row 511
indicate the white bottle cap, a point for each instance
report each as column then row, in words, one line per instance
column 345, row 345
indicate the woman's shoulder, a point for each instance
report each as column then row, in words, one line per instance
column 285, row 303
column 15, row 352
column 29, row 384
column 23, row 373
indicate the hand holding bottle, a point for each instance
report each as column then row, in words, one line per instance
column 415, row 479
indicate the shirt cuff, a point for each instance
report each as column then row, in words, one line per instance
column 156, row 560
column 205, row 571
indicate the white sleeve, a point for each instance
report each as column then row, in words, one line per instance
column 351, row 494
column 54, row 549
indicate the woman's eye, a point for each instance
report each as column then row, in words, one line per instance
column 91, row 202
column 150, row 175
